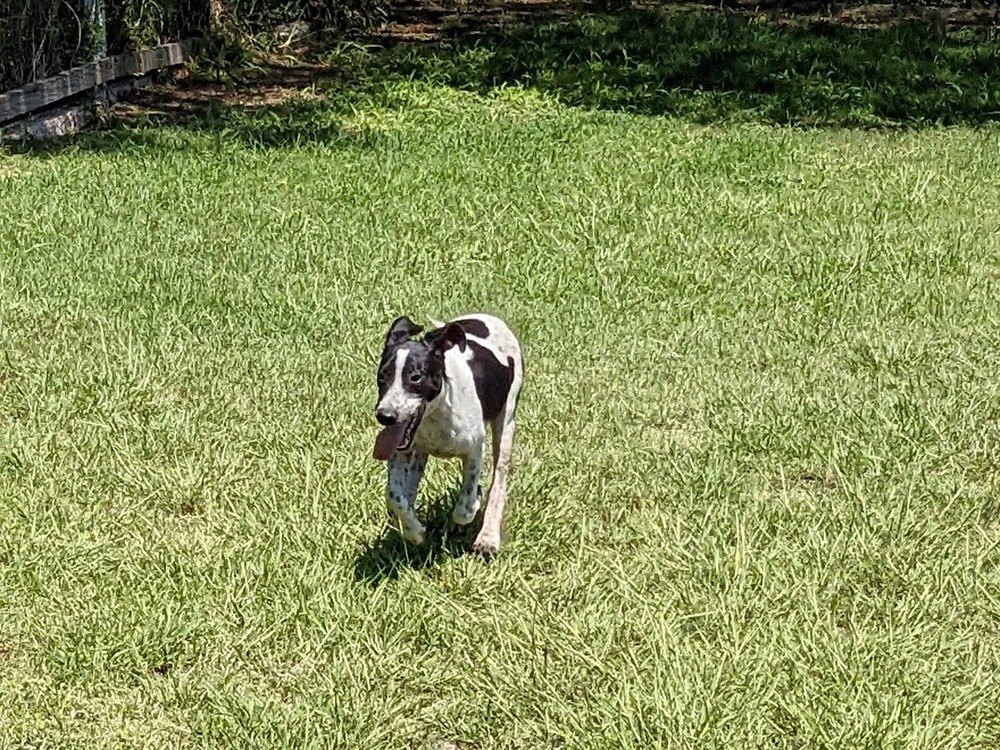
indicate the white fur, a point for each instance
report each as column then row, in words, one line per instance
column 453, row 424
column 453, row 427
column 397, row 399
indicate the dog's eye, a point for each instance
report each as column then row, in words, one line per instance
column 416, row 377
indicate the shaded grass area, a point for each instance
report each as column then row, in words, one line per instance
column 715, row 66
column 754, row 500
column 693, row 64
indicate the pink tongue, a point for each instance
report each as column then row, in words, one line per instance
column 388, row 440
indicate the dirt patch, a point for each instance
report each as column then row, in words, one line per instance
column 944, row 18
column 418, row 21
column 184, row 97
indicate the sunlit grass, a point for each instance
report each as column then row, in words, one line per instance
column 755, row 495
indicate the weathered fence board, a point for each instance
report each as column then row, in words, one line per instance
column 32, row 97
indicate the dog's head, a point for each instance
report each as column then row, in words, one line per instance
column 410, row 375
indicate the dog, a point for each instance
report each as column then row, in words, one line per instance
column 435, row 397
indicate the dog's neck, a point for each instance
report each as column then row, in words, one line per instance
column 443, row 398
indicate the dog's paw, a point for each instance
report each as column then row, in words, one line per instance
column 463, row 516
column 486, row 546
column 413, row 534
column 465, row 512
column 405, row 521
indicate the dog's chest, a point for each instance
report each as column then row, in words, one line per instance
column 454, row 427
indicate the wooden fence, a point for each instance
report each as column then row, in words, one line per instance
column 89, row 77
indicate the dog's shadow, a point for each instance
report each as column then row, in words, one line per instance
column 388, row 555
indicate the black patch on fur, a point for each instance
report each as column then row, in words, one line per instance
column 474, row 327
column 493, row 379
column 451, row 334
column 386, row 370
column 423, row 369
column 400, row 332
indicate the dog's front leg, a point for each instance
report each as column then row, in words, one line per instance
column 404, row 473
column 468, row 501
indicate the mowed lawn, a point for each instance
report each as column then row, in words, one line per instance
column 755, row 493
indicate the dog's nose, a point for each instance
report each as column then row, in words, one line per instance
column 386, row 418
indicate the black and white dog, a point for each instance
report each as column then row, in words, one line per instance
column 436, row 396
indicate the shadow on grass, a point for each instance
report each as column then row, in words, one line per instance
column 711, row 66
column 285, row 125
column 387, row 556
column 706, row 66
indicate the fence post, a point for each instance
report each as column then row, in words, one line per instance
column 94, row 12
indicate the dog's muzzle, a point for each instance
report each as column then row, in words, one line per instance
column 395, row 435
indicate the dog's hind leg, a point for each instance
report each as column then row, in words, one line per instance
column 468, row 501
column 404, row 473
column 488, row 541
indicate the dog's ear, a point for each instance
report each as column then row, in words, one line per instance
column 451, row 335
column 401, row 331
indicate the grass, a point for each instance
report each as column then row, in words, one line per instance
column 755, row 498
column 709, row 66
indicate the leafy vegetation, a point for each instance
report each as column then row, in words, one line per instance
column 39, row 38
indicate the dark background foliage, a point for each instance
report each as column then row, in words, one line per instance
column 39, row 38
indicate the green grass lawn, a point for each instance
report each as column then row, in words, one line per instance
column 755, row 492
